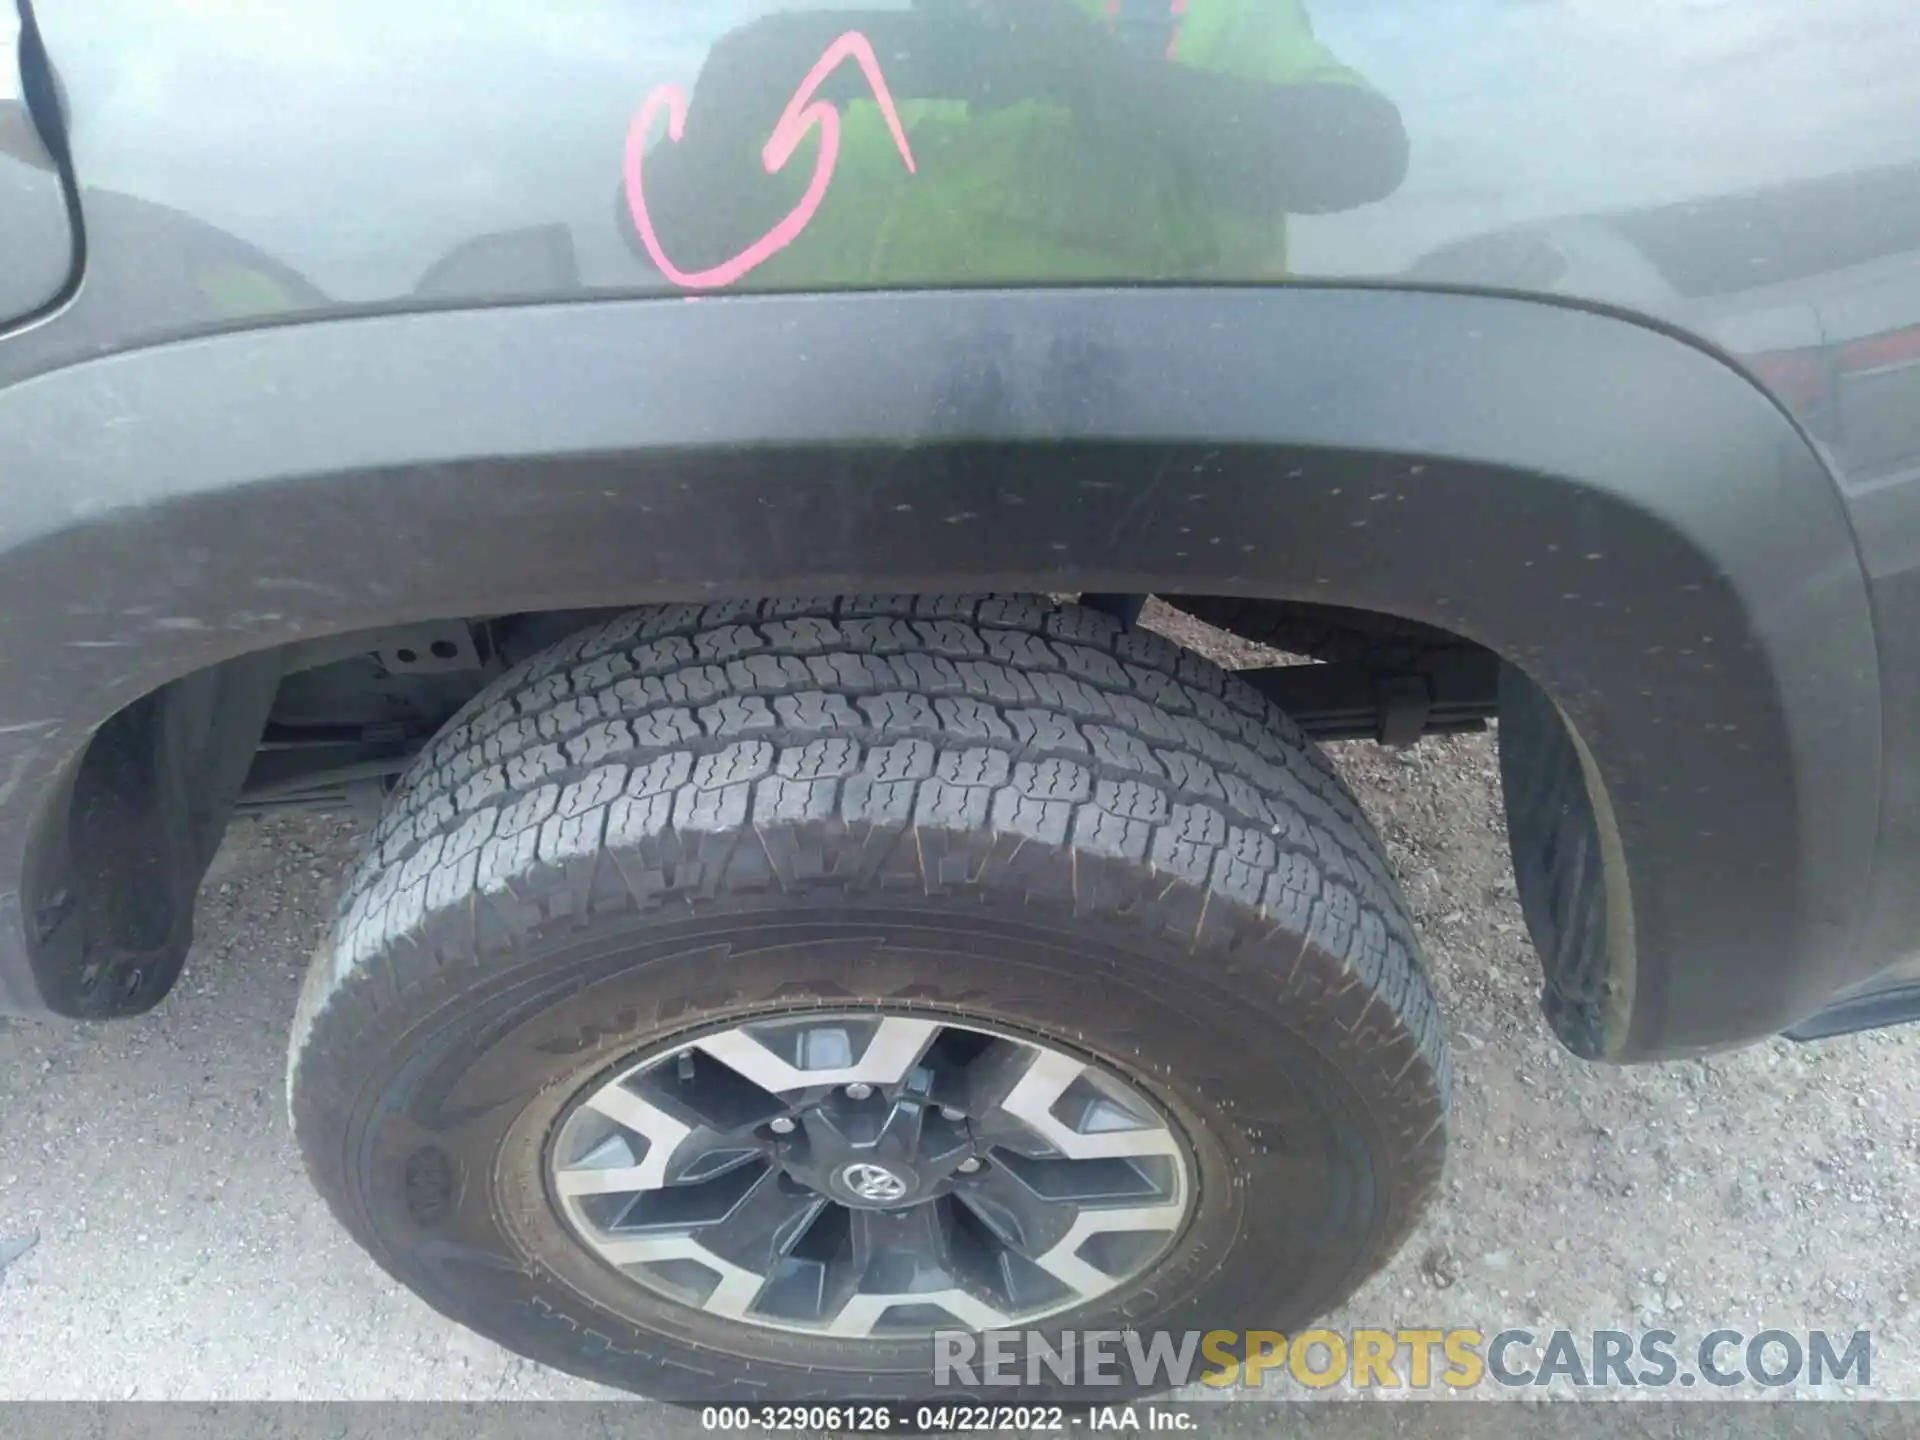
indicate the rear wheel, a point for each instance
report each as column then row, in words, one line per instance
column 733, row 998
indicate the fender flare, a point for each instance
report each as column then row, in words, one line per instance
column 1618, row 512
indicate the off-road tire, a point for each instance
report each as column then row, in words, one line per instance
column 997, row 808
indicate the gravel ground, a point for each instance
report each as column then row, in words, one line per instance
column 178, row 1252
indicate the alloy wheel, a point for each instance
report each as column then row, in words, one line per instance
column 871, row 1174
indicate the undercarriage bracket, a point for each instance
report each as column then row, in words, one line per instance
column 1444, row 692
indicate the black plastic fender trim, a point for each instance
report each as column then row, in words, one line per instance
column 1873, row 1010
column 1620, row 514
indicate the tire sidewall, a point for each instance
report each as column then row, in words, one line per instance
column 444, row 1126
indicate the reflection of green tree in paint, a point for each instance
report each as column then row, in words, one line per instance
column 235, row 292
column 188, row 273
column 1051, row 145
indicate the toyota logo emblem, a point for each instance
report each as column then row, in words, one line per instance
column 874, row 1183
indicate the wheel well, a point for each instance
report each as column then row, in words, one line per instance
column 1333, row 633
column 350, row 711
column 110, row 881
column 331, row 724
column 1568, row 857
column 1569, row 867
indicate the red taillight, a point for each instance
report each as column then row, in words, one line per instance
column 1802, row 378
column 1881, row 352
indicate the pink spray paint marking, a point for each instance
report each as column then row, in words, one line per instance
column 803, row 113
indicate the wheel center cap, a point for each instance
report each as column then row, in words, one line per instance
column 867, row 1183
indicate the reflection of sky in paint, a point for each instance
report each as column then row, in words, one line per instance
column 1520, row 109
column 361, row 139
column 465, row 118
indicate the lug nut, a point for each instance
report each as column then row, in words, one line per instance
column 859, row 1090
column 953, row 1113
column 780, row 1125
column 968, row 1165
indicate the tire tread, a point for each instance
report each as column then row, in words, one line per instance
column 681, row 754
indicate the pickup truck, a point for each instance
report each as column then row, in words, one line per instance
column 690, row 477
